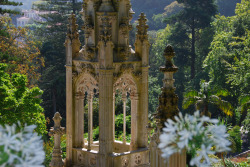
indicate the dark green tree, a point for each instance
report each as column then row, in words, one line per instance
column 196, row 15
column 228, row 61
column 52, row 34
column 9, row 3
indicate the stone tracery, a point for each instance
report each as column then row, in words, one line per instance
column 106, row 63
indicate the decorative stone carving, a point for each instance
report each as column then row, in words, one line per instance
column 125, row 162
column 88, row 26
column 87, row 53
column 126, row 84
column 81, row 69
column 138, row 159
column 124, row 54
column 73, row 35
column 105, row 29
column 57, row 131
column 92, row 161
column 168, row 100
column 142, row 28
column 87, row 84
column 80, row 158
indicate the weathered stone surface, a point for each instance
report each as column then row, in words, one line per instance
column 105, row 65
column 57, row 131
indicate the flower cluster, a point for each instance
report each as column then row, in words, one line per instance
column 20, row 148
column 189, row 133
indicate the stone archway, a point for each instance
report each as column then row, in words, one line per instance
column 86, row 84
column 127, row 86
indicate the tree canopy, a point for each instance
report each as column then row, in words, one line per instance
column 18, row 102
column 9, row 3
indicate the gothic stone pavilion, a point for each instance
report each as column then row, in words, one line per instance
column 104, row 66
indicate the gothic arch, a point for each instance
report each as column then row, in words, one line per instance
column 126, row 83
column 86, row 83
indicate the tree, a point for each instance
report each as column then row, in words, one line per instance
column 196, row 15
column 11, row 3
column 207, row 96
column 244, row 102
column 228, row 61
column 52, row 34
column 18, row 103
column 19, row 51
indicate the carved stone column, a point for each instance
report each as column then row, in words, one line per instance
column 106, row 134
column 79, row 120
column 90, row 120
column 143, row 111
column 134, row 125
column 57, row 131
column 142, row 48
column 124, row 99
column 72, row 45
column 114, row 115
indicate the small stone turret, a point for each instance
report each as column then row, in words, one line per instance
column 57, row 131
column 168, row 100
column 168, row 108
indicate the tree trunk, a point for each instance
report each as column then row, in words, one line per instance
column 193, row 51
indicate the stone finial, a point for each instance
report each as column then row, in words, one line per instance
column 169, row 66
column 168, row 100
column 142, row 28
column 73, row 35
column 57, row 131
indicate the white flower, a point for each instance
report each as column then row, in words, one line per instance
column 186, row 131
column 25, row 149
column 185, row 136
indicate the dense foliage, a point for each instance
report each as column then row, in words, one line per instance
column 52, row 35
column 19, row 50
column 19, row 103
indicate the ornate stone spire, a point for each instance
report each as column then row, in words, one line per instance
column 168, row 100
column 73, row 35
column 142, row 28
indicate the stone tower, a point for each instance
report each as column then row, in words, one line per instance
column 168, row 108
column 105, row 65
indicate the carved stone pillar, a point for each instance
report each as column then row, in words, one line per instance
column 134, row 125
column 57, row 131
column 106, row 134
column 124, row 99
column 114, row 115
column 69, row 113
column 143, row 111
column 142, row 48
column 72, row 45
column 90, row 120
column 79, row 120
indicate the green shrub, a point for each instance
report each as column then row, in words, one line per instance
column 235, row 134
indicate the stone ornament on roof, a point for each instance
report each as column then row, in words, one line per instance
column 142, row 27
